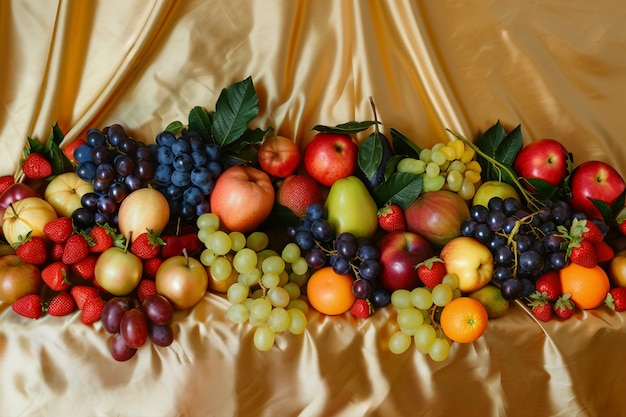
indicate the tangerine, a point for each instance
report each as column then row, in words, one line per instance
column 588, row 286
column 330, row 293
column 464, row 319
column 297, row 192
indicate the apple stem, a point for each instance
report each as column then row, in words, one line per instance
column 130, row 236
column 186, row 255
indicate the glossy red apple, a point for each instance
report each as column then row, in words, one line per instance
column 330, row 156
column 399, row 253
column 596, row 180
column 545, row 159
column 17, row 278
column 243, row 198
column 279, row 156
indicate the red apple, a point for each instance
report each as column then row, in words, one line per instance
column 243, row 198
column 437, row 216
column 182, row 280
column 545, row 159
column 399, row 253
column 279, row 156
column 330, row 156
column 17, row 278
column 596, row 180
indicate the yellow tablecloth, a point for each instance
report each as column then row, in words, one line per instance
column 555, row 67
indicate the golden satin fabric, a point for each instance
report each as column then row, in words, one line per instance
column 556, row 67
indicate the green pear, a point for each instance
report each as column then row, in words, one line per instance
column 491, row 297
column 351, row 208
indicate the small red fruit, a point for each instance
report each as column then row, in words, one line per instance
column 431, row 271
column 147, row 245
column 76, row 249
column 61, row 304
column 33, row 250
column 82, row 293
column 550, row 284
column 361, row 308
column 55, row 276
column 564, row 307
column 92, row 310
column 540, row 307
column 5, row 182
column 391, row 218
column 36, row 166
column 616, row 299
column 297, row 192
column 59, row 230
column 583, row 254
column 100, row 239
column 28, row 306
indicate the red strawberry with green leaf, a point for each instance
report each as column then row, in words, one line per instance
column 391, row 218
column 59, row 230
column 28, row 306
column 361, row 308
column 616, row 299
column 550, row 284
column 583, row 253
column 55, row 275
column 61, row 304
column 592, row 232
column 100, row 238
column 76, row 249
column 540, row 306
column 82, row 293
column 92, row 310
column 564, row 307
column 32, row 250
column 431, row 271
column 36, row 166
column 147, row 245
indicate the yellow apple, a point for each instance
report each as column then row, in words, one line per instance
column 490, row 189
column 470, row 260
column 65, row 191
column 142, row 210
column 28, row 215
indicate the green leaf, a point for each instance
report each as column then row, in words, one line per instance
column 35, row 146
column 236, row 107
column 392, row 164
column 402, row 188
column 249, row 137
column 502, row 147
column 176, row 127
column 200, row 122
column 57, row 135
column 370, row 155
column 346, row 128
column 403, row 145
column 543, row 189
column 604, row 208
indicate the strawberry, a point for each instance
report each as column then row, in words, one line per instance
column 361, row 308
column 147, row 245
column 59, row 230
column 92, row 310
column 591, row 232
column 391, row 218
column 622, row 227
column 431, row 271
column 583, row 254
column 145, row 288
column 82, row 293
column 100, row 239
column 32, row 250
column 564, row 307
column 36, row 166
column 85, row 268
column 28, row 306
column 56, row 251
column 76, row 249
column 5, row 182
column 151, row 266
column 540, row 306
column 55, row 276
column 550, row 284
column 69, row 149
column 61, row 304
column 604, row 252
column 616, row 299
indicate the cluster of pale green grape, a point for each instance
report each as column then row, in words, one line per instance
column 449, row 166
column 267, row 293
column 417, row 312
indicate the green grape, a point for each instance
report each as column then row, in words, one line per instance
column 448, row 153
column 399, row 342
column 204, row 235
column 437, row 146
column 245, row 260
column 412, row 165
column 424, row 338
column 297, row 320
column 249, row 278
column 454, row 179
column 274, row 264
column 401, row 299
column 425, row 155
column 456, row 293
column 299, row 280
column 221, row 268
column 257, row 241
column 432, row 170
column 278, row 297
column 260, row 308
column 433, row 183
column 442, row 295
column 248, row 303
column 410, row 318
column 237, row 293
column 256, row 322
column 456, row 166
column 278, row 320
column 438, row 157
column 421, row 298
column 238, row 241
column 237, row 313
column 439, row 350
column 467, row 191
column 270, row 280
column 299, row 266
column 283, row 278
column 299, row 304
column 292, row 289
column 291, row 252
column 262, row 255
column 264, row 338
column 208, row 221
column 451, row 280
column 207, row 257
column 220, row 242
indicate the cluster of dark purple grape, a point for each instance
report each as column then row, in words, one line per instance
column 525, row 244
column 187, row 167
column 345, row 253
column 132, row 324
column 116, row 165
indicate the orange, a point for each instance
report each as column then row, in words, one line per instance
column 588, row 286
column 464, row 319
column 330, row 293
column 297, row 191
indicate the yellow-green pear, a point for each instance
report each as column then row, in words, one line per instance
column 351, row 208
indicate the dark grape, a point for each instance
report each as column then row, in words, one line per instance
column 304, row 240
column 143, row 153
column 370, row 269
column 315, row 211
column 380, row 297
column 157, row 309
column 83, row 218
column 531, row 261
column 502, row 273
column 112, row 313
column 181, row 178
column 83, row 154
column 120, row 351
column 163, row 173
column 503, row 256
column 361, row 288
column 89, row 201
column 144, row 169
column 213, row 151
column 95, row 138
column 183, row 162
column 165, row 139
column 528, row 287
column 322, row 230
column 510, row 205
column 559, row 215
column 105, row 172
column 497, row 242
column 118, row 191
column 106, row 204
column 101, row 154
column 557, row 260
column 160, row 334
column 483, row 233
column 315, row 258
column 193, row 196
column 127, row 145
column 165, row 156
column 511, row 289
column 340, row 265
column 86, row 171
column 495, row 204
column 181, row 146
column 479, row 213
column 346, row 248
column 367, row 252
column 133, row 183
column 524, row 242
column 468, row 227
column 125, row 165
column 134, row 328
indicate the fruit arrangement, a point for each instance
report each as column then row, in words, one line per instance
column 129, row 231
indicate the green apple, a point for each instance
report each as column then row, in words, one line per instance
column 490, row 189
column 351, row 208
column 491, row 297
